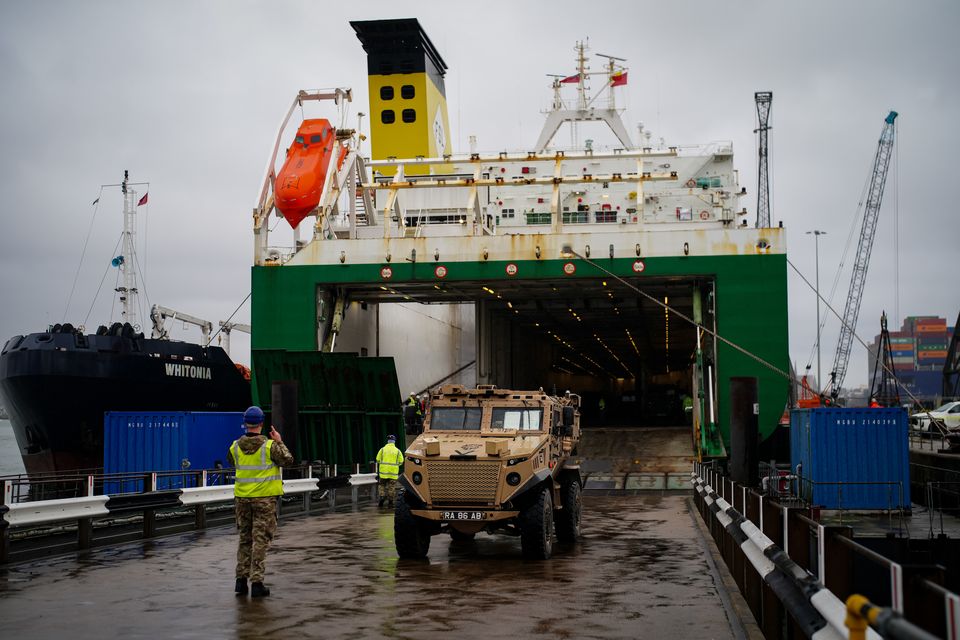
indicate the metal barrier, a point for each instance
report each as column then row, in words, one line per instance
column 35, row 528
column 49, row 511
column 861, row 613
column 816, row 612
column 826, row 555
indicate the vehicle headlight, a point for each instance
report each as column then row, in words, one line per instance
column 513, row 479
column 417, row 478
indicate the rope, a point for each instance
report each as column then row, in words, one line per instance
column 220, row 328
column 96, row 208
column 97, row 294
column 854, row 333
column 791, row 378
column 690, row 320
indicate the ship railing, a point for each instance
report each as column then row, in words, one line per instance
column 30, row 529
column 795, row 569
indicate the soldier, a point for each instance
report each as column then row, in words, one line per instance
column 258, row 483
column 389, row 459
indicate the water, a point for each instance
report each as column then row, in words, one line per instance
column 10, row 460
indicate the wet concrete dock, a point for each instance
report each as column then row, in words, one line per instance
column 642, row 571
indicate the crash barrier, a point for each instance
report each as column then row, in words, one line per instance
column 861, row 614
column 822, row 562
column 44, row 527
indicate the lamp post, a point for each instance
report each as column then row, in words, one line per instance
column 816, row 251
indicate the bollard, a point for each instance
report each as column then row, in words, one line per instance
column 855, row 620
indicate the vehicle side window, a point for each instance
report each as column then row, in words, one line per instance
column 299, row 139
column 386, row 93
column 387, row 116
column 407, row 92
column 956, row 409
column 409, row 115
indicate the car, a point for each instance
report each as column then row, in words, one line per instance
column 946, row 414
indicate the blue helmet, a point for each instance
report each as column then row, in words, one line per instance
column 253, row 416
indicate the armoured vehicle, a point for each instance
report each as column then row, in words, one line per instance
column 492, row 460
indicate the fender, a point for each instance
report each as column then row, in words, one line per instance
column 534, row 481
column 405, row 484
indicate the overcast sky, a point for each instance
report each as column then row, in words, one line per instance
column 188, row 96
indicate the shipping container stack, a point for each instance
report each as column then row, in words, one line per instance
column 919, row 351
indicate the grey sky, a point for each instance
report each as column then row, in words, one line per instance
column 188, row 95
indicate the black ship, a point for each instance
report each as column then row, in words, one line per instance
column 56, row 385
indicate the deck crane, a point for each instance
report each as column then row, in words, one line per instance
column 857, row 279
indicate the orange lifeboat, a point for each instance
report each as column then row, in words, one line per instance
column 300, row 181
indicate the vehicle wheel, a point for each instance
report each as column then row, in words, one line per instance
column 536, row 527
column 460, row 536
column 411, row 537
column 568, row 518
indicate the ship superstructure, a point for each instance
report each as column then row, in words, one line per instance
column 562, row 264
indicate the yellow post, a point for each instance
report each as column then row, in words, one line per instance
column 856, row 620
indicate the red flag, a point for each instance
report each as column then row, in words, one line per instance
column 618, row 79
column 574, row 78
column 143, row 200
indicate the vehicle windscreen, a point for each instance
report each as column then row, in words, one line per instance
column 455, row 418
column 516, row 419
column 943, row 408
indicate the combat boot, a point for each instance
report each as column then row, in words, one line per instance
column 257, row 590
column 380, row 502
column 241, row 589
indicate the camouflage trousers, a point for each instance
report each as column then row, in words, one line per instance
column 388, row 490
column 257, row 522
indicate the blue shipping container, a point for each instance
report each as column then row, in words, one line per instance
column 852, row 458
column 144, row 441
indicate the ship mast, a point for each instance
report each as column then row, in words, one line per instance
column 585, row 111
column 126, row 261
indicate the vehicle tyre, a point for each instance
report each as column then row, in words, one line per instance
column 568, row 518
column 411, row 537
column 460, row 536
column 536, row 527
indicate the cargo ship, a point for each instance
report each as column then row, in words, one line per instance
column 550, row 265
column 57, row 384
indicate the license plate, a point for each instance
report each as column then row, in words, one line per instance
column 461, row 515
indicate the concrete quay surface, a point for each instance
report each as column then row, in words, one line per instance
column 641, row 571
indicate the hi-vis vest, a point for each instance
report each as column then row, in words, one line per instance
column 257, row 476
column 389, row 460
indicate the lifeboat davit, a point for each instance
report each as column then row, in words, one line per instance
column 300, row 181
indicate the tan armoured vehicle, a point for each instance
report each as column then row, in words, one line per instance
column 492, row 460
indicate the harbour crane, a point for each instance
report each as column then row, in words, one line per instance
column 878, row 178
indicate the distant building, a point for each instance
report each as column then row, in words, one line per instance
column 919, row 351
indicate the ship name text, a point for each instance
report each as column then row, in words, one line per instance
column 188, row 371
